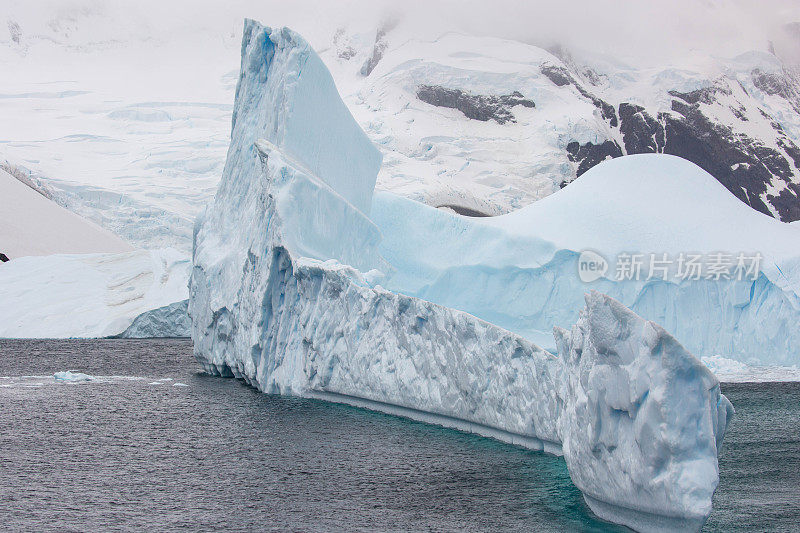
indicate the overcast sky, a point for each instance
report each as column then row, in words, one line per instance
column 654, row 30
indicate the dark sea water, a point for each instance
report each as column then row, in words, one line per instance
column 144, row 454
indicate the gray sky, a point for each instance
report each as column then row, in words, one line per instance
column 649, row 31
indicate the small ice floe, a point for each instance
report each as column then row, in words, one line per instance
column 156, row 383
column 180, row 385
column 732, row 371
column 72, row 377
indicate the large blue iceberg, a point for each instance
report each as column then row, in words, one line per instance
column 305, row 284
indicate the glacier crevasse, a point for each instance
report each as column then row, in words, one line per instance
column 287, row 292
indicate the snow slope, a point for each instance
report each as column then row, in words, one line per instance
column 286, row 294
column 31, row 224
column 87, row 295
column 121, row 120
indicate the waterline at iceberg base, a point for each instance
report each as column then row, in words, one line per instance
column 287, row 292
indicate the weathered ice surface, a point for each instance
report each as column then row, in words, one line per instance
column 638, row 393
column 287, row 292
column 168, row 321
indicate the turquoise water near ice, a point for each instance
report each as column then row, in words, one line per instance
column 133, row 451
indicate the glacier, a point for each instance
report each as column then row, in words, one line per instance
column 296, row 290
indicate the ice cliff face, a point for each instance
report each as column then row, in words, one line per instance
column 287, row 292
column 521, row 270
column 167, row 321
column 637, row 394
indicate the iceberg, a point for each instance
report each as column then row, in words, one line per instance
column 296, row 289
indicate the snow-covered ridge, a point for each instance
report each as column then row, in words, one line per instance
column 736, row 118
column 286, row 293
column 31, row 224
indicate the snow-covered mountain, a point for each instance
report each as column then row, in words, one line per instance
column 492, row 125
column 123, row 113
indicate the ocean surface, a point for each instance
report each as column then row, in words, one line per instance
column 152, row 444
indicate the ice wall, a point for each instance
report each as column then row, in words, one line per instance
column 520, row 270
column 169, row 321
column 287, row 293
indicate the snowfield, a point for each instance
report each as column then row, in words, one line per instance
column 287, row 292
column 89, row 295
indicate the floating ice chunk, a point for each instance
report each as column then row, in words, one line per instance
column 180, row 385
column 72, row 377
column 643, row 420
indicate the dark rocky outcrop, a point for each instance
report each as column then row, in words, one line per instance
column 641, row 133
column 379, row 48
column 704, row 95
column 558, row 75
column 474, row 106
column 377, row 54
column 4, row 258
column 589, row 154
column 464, row 211
column 777, row 85
column 745, row 166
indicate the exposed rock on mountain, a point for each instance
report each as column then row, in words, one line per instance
column 478, row 107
